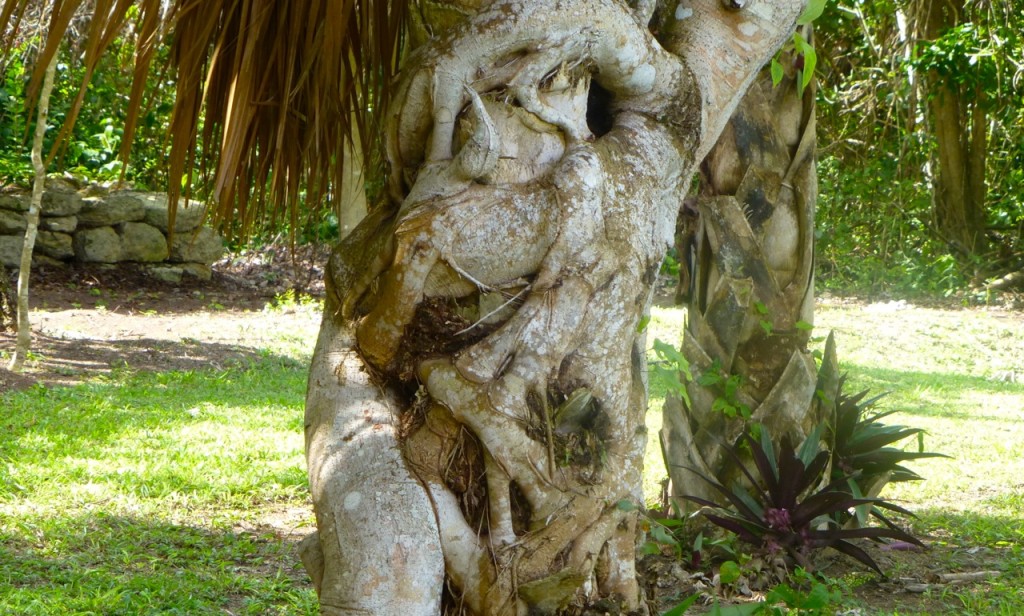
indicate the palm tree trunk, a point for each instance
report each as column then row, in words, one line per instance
column 351, row 202
column 751, row 263
column 480, row 357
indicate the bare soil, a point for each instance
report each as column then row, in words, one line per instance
column 917, row 581
column 90, row 319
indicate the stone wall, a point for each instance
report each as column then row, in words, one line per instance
column 93, row 225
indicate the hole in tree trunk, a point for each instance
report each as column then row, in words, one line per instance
column 522, row 513
column 599, row 110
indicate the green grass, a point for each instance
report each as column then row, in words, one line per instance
column 666, row 325
column 142, row 493
column 944, row 372
column 132, row 494
column 947, row 373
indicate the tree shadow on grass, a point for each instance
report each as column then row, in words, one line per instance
column 985, row 551
column 139, row 411
column 100, row 563
column 970, row 528
column 70, row 361
column 188, row 444
column 948, row 388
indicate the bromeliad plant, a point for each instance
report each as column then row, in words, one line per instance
column 862, row 445
column 791, row 509
column 862, row 452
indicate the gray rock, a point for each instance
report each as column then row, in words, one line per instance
column 55, row 245
column 60, row 198
column 185, row 219
column 100, row 245
column 166, row 273
column 201, row 246
column 64, row 224
column 94, row 190
column 142, row 242
column 12, row 222
column 116, row 208
column 10, row 250
column 200, row 271
column 39, row 260
column 16, row 202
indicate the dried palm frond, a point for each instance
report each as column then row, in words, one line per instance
column 11, row 15
column 268, row 92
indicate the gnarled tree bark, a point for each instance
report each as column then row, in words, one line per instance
column 476, row 401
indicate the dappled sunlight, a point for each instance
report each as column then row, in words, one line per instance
column 145, row 490
column 991, row 529
column 654, row 463
column 938, row 394
column 987, row 344
column 153, row 434
column 126, row 563
column 205, row 463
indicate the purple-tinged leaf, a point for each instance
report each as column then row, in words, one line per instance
column 740, row 529
column 735, row 500
column 855, row 552
column 823, row 503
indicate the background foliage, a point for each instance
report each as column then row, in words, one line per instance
column 876, row 228
column 876, row 232
column 92, row 151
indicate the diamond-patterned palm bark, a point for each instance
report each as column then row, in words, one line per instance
column 747, row 250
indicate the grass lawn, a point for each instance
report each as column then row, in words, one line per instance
column 185, row 492
column 959, row 375
column 173, row 493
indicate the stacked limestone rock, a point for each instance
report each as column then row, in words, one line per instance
column 95, row 226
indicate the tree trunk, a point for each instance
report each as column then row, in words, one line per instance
column 24, row 341
column 751, row 258
column 351, row 206
column 476, row 401
column 959, row 124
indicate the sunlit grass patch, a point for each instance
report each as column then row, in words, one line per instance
column 140, row 493
column 125, row 495
column 666, row 324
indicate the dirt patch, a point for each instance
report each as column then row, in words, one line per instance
column 91, row 319
column 10, row 381
column 67, row 360
column 916, row 581
column 244, row 280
